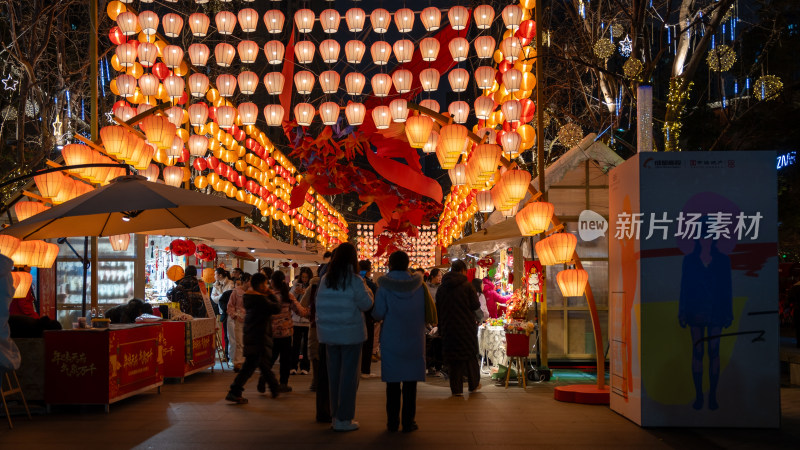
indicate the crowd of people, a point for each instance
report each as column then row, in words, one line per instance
column 325, row 326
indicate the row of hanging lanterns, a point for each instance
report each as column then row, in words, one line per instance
column 35, row 253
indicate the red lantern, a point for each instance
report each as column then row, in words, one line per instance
column 161, row 70
column 526, row 31
column 528, row 110
column 200, row 164
column 189, row 248
column 116, row 36
column 213, row 162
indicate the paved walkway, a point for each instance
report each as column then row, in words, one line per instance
column 194, row 416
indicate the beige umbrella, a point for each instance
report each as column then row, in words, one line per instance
column 129, row 204
column 219, row 230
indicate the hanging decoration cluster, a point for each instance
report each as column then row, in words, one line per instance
column 420, row 246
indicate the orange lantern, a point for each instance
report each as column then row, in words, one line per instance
column 380, row 20
column 304, row 52
column 175, row 273
column 458, row 16
column 49, row 183
column 418, row 128
column 484, row 47
column 173, row 176
column 28, row 209
column 329, row 19
column 431, row 18
column 329, row 113
column 483, row 16
column 484, row 201
column 534, row 218
column 22, row 283
column 274, row 51
column 10, row 244
column 458, row 174
column 380, row 51
column 430, row 145
column 273, row 114
column 404, row 19
column 381, row 84
column 403, row 50
column 402, row 80
column 304, row 82
column 429, row 48
column 430, row 79
column 226, row 22
column 452, row 140
column 159, row 131
column 120, row 242
column 274, row 81
column 572, row 282
column 74, row 155
column 486, row 158
column 248, row 51
column 224, row 53
column 198, row 23
column 47, row 260
column 354, row 82
column 29, row 253
column 151, row 173
column 355, row 18
column 355, row 113
column 515, row 184
column 381, row 116
column 354, row 51
column 329, row 50
column 399, row 110
column 562, row 246
column 304, row 114
column 274, row 19
column 459, row 110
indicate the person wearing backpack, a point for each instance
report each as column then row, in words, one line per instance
column 187, row 294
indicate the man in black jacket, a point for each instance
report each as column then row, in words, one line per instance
column 456, row 302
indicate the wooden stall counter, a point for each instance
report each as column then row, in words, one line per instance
column 102, row 366
column 188, row 347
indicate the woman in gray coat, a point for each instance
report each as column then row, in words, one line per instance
column 400, row 303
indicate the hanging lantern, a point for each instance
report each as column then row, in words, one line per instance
column 119, row 242
column 29, row 209
column 484, row 47
column 430, row 145
column 198, row 54
column 459, row 79
column 404, row 20
column 274, row 51
column 304, row 82
column 126, row 54
column 304, row 19
column 403, row 50
column 274, row 19
column 534, row 218
column 329, row 50
column 198, row 84
column 248, row 81
column 429, row 49
column 159, row 131
column 458, row 175
column 381, row 116
column 226, row 116
column 381, row 51
column 22, row 284
column 226, row 85
column 49, row 183
column 248, row 113
column 174, row 85
column 452, row 140
column 225, row 21
column 172, row 55
column 176, row 149
column 354, row 83
column 175, row 115
column 512, row 109
column 148, row 21
column 511, row 142
column 399, row 110
column 483, row 107
column 402, row 80
column 224, row 53
column 484, row 201
column 459, row 111
column 355, row 113
column 458, row 16
column 329, row 113
column 273, row 114
column 128, row 23
column 148, row 84
column 572, row 282
column 248, row 51
column 459, row 47
column 484, row 77
column 512, row 16
column 486, row 158
column 329, row 81
column 10, row 244
column 562, row 246
column 430, row 79
column 198, row 114
column 126, row 85
column 431, row 104
column 147, row 53
column 304, row 52
column 151, row 173
column 172, row 25
column 431, row 18
column 354, row 51
column 173, row 176
column 329, row 19
column 380, row 20
column 510, row 212
column 418, row 128
column 198, row 23
column 274, row 81
column 304, row 114
column 198, row 145
column 124, row 112
column 381, row 84
column 248, row 20
column 114, row 139
column 515, row 185
column 511, row 47
column 355, row 18
column 483, row 16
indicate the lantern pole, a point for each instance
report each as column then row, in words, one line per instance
column 95, row 137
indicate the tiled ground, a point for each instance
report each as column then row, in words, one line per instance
column 194, row 416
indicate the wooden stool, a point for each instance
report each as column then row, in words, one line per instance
column 517, row 362
column 6, row 379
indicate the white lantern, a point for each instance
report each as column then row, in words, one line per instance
column 459, row 79
column 248, row 20
column 226, row 116
column 273, row 114
column 198, row 54
column 512, row 110
column 381, row 84
column 224, row 53
column 431, row 104
column 248, row 113
column 248, row 51
column 329, row 49
column 147, row 53
column 403, row 50
column 511, row 141
column 381, row 116
column 124, row 112
column 128, row 23
column 355, row 18
column 484, row 201
column 354, row 51
column 487, row 135
column 404, row 19
column 226, row 85
column 402, row 80
column 512, row 16
column 511, row 47
column 399, row 110
column 176, row 149
column 198, row 114
column 458, row 174
column 380, row 20
column 380, row 51
column 274, row 51
column 304, row 19
column 304, row 114
column 484, row 106
column 429, row 48
column 459, row 111
column 430, row 79
column 248, row 81
column 459, row 47
column 174, row 115
column 304, row 82
column 355, row 113
column 430, row 145
column 354, row 83
column 172, row 55
column 174, row 85
column 484, row 77
column 304, row 52
column 197, row 145
column 273, row 81
column 172, row 25
column 512, row 80
column 329, row 113
column 148, row 84
column 484, row 47
column 329, row 81
column 126, row 54
column 458, row 16
column 484, row 16
column 274, row 19
column 173, row 176
column 431, row 18
column 329, row 19
column 225, row 21
column 198, row 23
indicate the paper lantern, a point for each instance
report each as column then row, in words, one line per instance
column 459, row 111
column 483, row 16
column 511, row 141
column 147, row 53
column 198, row 84
column 354, row 83
column 274, row 51
column 198, row 114
column 355, row 113
column 248, row 113
column 381, row 51
column 562, row 246
column 226, row 116
column 304, row 114
column 404, row 20
column 208, row 275
column 431, row 104
column 534, row 218
column 355, row 18
column 174, row 115
column 49, row 258
column 198, row 145
column 304, row 52
column 430, row 145
column 148, row 84
column 515, row 185
column 399, row 110
column 22, row 283
column 304, row 19
column 29, row 253
column 544, row 253
column 354, row 51
column 486, row 158
column 28, row 209
column 273, row 114
column 458, row 16
column 329, row 19
column 381, row 84
column 572, row 282
column 176, row 149
column 304, row 82
column 172, row 55
column 226, row 22
column 126, row 54
column 274, row 19
column 511, row 47
column 146, row 155
column 198, row 54
column 381, row 116
column 459, row 79
column 274, row 81
column 429, row 49
column 126, row 85
column 380, row 20
column 418, row 128
column 329, row 81
column 198, row 23
column 484, row 77
column 124, row 112
column 173, row 176
column 224, row 53
column 128, row 23
column 148, row 21
column 403, row 50
column 175, row 273
column 151, row 173
column 452, row 140
column 459, row 47
column 248, row 81
column 329, row 50
column 49, row 183
column 484, row 47
column 248, row 20
column 458, row 175
column 174, row 85
column 119, row 242
column 510, row 212
column 248, row 51
column 484, row 201
column 10, row 244
column 226, row 85
column 483, row 107
column 511, row 110
column 512, row 16
column 430, row 79
column 329, row 113
column 68, row 191
column 172, row 25
column 431, row 18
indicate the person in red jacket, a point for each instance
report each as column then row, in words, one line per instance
column 494, row 301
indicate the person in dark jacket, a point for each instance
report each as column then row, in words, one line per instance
column 260, row 304
column 187, row 293
column 365, row 270
column 456, row 302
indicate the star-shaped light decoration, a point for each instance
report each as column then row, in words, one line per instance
column 626, row 46
column 57, row 126
column 9, row 83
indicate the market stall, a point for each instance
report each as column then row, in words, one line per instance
column 188, row 347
